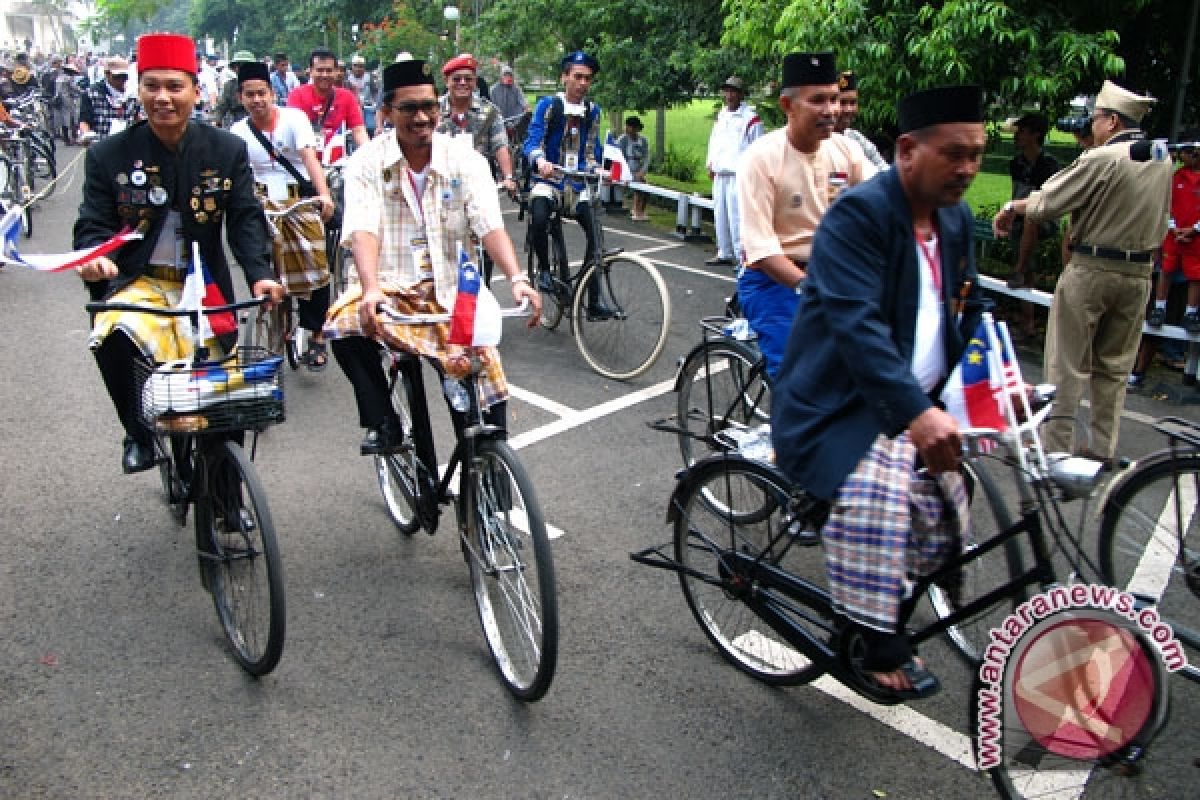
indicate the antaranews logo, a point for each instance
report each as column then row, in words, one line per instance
column 1069, row 672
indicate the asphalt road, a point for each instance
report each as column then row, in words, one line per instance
column 115, row 682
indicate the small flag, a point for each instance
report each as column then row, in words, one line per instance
column 975, row 394
column 475, row 320
column 615, row 163
column 10, row 231
column 199, row 291
column 335, row 148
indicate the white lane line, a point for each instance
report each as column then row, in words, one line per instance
column 541, row 401
column 577, row 418
column 693, row 270
column 655, row 249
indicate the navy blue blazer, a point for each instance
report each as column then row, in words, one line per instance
column 847, row 370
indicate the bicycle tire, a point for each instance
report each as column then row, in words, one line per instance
column 397, row 472
column 241, row 563
column 1036, row 766
column 989, row 516
column 512, row 569
column 721, row 384
column 627, row 344
column 705, row 539
column 1138, row 523
column 551, row 289
column 22, row 196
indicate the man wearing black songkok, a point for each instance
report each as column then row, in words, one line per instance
column 890, row 301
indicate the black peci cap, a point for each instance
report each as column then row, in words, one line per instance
column 407, row 73
column 809, row 69
column 939, row 106
column 253, row 71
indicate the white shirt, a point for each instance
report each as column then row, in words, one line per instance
column 929, row 355
column 292, row 133
column 733, row 132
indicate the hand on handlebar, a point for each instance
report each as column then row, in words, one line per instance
column 937, row 439
column 272, row 291
column 327, row 207
column 367, row 318
column 98, row 269
column 523, row 293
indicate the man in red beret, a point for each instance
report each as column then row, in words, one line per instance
column 176, row 182
column 465, row 113
column 328, row 106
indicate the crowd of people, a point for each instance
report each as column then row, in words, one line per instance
column 857, row 275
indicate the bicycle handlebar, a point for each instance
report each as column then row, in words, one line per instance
column 159, row 311
column 433, row 319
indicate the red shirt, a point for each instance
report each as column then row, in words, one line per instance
column 1185, row 208
column 344, row 108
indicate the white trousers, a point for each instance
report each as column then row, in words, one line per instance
column 725, row 209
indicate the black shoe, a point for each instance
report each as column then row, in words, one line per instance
column 599, row 312
column 719, row 261
column 1191, row 323
column 387, row 438
column 138, row 457
column 1156, row 317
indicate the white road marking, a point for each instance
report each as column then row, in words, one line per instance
column 541, row 401
column 577, row 418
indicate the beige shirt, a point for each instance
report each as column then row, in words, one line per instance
column 418, row 237
column 783, row 193
column 1113, row 201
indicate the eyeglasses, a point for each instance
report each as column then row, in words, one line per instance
column 429, row 107
column 462, row 78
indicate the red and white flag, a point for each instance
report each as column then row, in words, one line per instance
column 615, row 163
column 335, row 148
column 199, row 291
column 10, row 232
column 475, row 320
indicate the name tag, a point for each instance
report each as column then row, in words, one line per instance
column 571, row 161
column 421, row 259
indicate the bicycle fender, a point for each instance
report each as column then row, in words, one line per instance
column 1123, row 477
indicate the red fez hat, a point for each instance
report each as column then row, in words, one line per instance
column 464, row 61
column 166, row 51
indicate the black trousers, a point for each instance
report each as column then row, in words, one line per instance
column 541, row 208
column 310, row 313
column 361, row 359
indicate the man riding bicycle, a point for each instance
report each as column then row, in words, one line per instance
column 891, row 300
column 565, row 134
column 282, row 150
column 176, row 182
column 413, row 199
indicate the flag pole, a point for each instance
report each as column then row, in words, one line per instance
column 199, row 351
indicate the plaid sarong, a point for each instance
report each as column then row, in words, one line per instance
column 298, row 250
column 888, row 525
column 160, row 339
column 424, row 340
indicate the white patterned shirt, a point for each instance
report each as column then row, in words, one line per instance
column 459, row 199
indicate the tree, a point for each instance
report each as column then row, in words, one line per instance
column 1026, row 53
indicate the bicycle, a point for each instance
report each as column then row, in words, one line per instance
column 744, row 549
column 276, row 329
column 340, row 271
column 198, row 410
column 502, row 532
column 620, row 309
column 17, row 188
column 722, row 391
column 1148, row 533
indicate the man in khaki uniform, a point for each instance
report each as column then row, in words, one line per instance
column 1119, row 210
column 785, row 181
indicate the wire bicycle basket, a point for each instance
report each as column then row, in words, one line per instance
column 241, row 392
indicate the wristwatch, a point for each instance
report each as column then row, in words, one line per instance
column 1009, row 207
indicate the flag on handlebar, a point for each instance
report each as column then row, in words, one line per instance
column 475, row 320
column 615, row 163
column 975, row 393
column 10, row 232
column 199, row 291
column 335, row 148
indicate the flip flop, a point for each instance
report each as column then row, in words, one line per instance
column 316, row 357
column 924, row 683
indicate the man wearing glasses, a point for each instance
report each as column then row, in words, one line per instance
column 106, row 109
column 1119, row 209
column 413, row 199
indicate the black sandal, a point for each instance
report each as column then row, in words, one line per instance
column 889, row 652
column 923, row 682
column 316, row 357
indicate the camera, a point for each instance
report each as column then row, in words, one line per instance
column 1073, row 124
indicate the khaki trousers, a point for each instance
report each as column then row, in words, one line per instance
column 1091, row 342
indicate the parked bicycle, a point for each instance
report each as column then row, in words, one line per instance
column 744, row 548
column 199, row 411
column 619, row 307
column 500, row 525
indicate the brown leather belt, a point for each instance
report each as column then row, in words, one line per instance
column 163, row 272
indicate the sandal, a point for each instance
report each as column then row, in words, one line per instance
column 316, row 357
column 922, row 682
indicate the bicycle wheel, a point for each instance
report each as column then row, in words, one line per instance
column 722, row 384
column 718, row 553
column 621, row 330
column 397, row 472
column 1056, row 729
column 512, row 569
column 22, row 196
column 989, row 516
column 240, row 557
column 1150, row 543
column 42, row 165
column 553, row 291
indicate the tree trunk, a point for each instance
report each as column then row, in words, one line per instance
column 660, row 132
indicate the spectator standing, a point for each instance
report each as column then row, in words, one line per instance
column 365, row 86
column 1029, row 169
column 736, row 128
column 1119, row 209
column 1181, row 245
column 785, row 182
column 105, row 108
column 283, row 80
column 206, row 75
column 636, row 150
column 848, row 113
